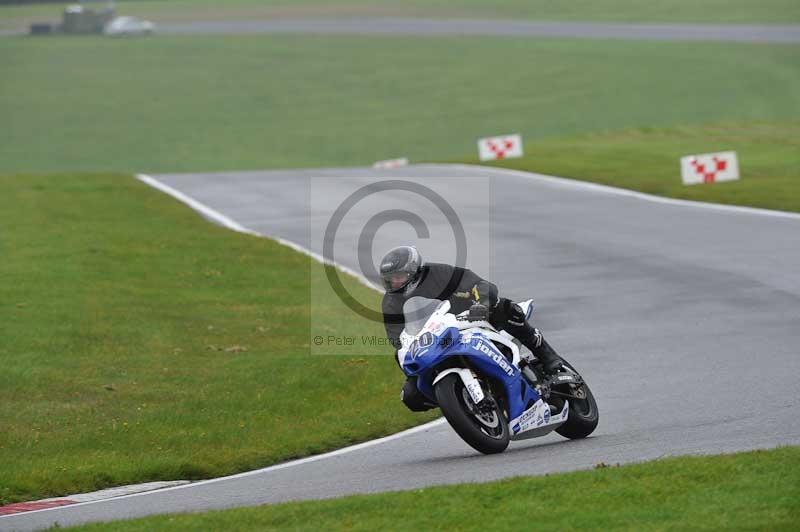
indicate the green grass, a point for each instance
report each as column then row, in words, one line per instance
column 602, row 111
column 248, row 102
column 142, row 343
column 726, row 11
column 647, row 159
column 748, row 491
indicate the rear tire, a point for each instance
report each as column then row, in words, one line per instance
column 487, row 434
column 583, row 413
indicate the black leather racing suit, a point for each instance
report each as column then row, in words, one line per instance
column 460, row 286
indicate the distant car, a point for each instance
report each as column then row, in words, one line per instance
column 122, row 26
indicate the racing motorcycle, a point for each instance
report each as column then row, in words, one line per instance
column 490, row 388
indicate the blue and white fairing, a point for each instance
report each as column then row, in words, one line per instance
column 444, row 336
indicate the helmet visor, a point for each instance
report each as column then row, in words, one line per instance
column 395, row 281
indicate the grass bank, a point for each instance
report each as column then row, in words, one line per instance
column 748, row 491
column 141, row 342
column 206, row 103
column 647, row 160
column 719, row 11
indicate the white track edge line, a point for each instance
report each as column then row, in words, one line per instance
column 118, row 491
column 607, row 189
column 268, row 469
column 225, row 221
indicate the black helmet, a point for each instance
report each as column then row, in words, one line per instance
column 399, row 267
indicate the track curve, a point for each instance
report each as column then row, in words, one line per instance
column 684, row 319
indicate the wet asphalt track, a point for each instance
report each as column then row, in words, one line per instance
column 685, row 321
column 504, row 28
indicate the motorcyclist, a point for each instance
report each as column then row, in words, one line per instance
column 405, row 275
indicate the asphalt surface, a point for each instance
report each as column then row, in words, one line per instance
column 472, row 27
column 506, row 28
column 684, row 320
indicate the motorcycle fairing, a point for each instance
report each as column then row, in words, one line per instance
column 443, row 339
column 537, row 421
column 527, row 307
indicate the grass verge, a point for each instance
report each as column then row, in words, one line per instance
column 757, row 490
column 143, row 343
column 75, row 104
column 647, row 160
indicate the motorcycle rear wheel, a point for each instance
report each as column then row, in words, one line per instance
column 483, row 430
column 583, row 413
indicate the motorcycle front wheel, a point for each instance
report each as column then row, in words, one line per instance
column 483, row 427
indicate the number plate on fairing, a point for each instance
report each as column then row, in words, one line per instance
column 474, row 389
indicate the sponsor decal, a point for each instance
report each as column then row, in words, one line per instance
column 538, row 414
column 499, row 359
column 439, row 328
column 529, row 414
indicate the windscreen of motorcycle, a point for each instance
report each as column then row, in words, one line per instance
column 416, row 312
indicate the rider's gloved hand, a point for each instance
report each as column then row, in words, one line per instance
column 478, row 312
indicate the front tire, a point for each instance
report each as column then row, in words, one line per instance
column 483, row 430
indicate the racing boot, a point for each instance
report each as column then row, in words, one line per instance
column 551, row 362
column 533, row 340
column 517, row 324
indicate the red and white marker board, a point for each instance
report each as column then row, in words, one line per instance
column 503, row 147
column 391, row 163
column 709, row 168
